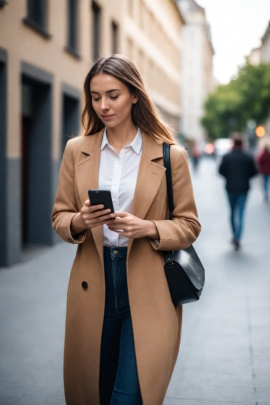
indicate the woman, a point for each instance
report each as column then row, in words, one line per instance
column 122, row 330
column 263, row 161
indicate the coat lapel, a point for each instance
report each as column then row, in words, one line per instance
column 87, row 178
column 149, row 178
column 148, row 181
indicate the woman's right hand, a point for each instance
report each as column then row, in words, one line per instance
column 89, row 217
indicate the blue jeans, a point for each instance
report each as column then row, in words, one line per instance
column 119, row 383
column 237, row 205
column 266, row 179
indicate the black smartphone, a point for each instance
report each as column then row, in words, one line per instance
column 104, row 197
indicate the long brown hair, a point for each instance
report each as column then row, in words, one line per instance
column 144, row 114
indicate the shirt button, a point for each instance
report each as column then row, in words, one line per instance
column 115, row 252
column 84, row 285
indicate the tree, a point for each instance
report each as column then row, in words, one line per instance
column 230, row 106
column 254, row 87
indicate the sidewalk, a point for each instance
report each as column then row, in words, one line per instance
column 225, row 350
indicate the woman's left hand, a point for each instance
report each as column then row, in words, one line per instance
column 132, row 227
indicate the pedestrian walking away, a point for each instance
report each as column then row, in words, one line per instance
column 237, row 167
column 195, row 156
column 122, row 331
column 263, row 161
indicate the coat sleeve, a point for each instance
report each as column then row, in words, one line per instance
column 184, row 228
column 252, row 168
column 222, row 167
column 65, row 206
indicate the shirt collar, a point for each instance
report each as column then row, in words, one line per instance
column 136, row 144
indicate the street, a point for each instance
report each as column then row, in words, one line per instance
column 225, row 351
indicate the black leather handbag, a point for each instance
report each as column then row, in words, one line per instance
column 184, row 271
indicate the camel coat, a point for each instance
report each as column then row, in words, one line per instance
column 156, row 323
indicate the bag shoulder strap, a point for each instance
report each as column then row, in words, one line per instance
column 167, row 165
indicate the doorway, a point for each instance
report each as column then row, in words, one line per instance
column 71, row 118
column 36, row 162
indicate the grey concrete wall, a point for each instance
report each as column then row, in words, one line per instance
column 3, row 160
column 13, row 212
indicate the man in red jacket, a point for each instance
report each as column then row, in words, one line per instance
column 237, row 167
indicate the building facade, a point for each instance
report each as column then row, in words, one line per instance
column 255, row 56
column 153, row 41
column 265, row 47
column 261, row 54
column 197, row 70
column 46, row 49
column 265, row 57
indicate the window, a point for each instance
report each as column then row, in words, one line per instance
column 114, row 37
column 37, row 16
column 72, row 25
column 36, row 12
column 96, row 31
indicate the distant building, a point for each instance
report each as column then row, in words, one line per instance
column 265, row 57
column 255, row 56
column 46, row 49
column 152, row 32
column 265, row 47
column 197, row 69
column 261, row 54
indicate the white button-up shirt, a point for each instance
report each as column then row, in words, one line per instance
column 118, row 173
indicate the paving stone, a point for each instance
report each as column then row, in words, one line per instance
column 32, row 400
column 263, row 393
column 4, row 400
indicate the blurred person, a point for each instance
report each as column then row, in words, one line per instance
column 237, row 167
column 263, row 161
column 195, row 156
column 122, row 330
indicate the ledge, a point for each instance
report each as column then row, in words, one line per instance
column 36, row 27
column 72, row 52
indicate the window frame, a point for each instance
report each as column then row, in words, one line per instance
column 96, row 30
column 40, row 28
column 115, row 36
column 72, row 29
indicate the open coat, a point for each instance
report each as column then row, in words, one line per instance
column 156, row 323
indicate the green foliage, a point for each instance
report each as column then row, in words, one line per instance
column 246, row 97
